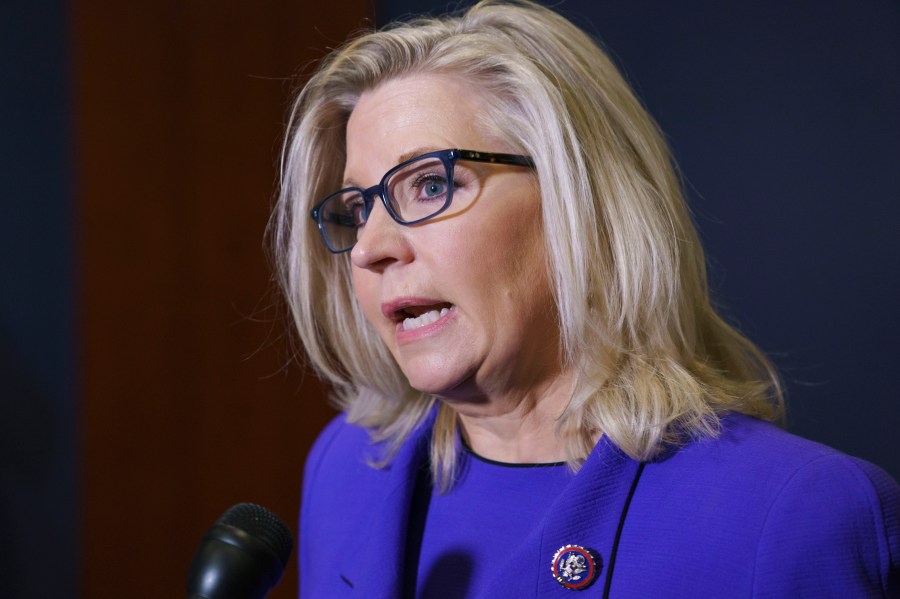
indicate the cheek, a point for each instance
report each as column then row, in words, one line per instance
column 528, row 281
column 506, row 271
column 515, row 248
column 366, row 292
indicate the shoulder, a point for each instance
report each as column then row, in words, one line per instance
column 339, row 461
column 832, row 522
column 805, row 515
column 347, row 467
column 772, row 457
column 338, row 441
column 335, row 480
column 757, row 463
column 785, row 473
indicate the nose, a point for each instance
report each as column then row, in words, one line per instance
column 380, row 242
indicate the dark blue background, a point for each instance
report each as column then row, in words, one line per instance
column 38, row 423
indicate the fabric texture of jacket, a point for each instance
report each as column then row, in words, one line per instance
column 753, row 512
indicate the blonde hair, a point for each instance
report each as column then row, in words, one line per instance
column 655, row 363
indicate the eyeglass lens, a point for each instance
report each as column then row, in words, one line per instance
column 416, row 191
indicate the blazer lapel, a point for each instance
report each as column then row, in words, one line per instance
column 375, row 563
column 586, row 513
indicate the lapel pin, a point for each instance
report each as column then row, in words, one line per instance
column 574, row 567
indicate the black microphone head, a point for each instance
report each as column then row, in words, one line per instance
column 262, row 524
column 242, row 556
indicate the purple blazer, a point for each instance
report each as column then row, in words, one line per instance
column 755, row 512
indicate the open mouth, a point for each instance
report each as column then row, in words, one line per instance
column 414, row 317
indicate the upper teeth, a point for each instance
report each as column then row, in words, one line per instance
column 423, row 319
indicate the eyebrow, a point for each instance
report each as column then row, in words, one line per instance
column 417, row 151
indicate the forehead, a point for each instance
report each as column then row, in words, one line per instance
column 413, row 114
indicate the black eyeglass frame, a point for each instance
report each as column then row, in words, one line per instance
column 447, row 157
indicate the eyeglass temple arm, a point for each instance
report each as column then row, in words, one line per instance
column 513, row 159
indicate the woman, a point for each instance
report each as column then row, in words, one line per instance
column 500, row 271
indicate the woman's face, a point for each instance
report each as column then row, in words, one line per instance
column 475, row 279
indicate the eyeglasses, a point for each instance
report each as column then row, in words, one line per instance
column 414, row 191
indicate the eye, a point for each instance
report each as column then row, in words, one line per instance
column 349, row 211
column 340, row 220
column 429, row 187
column 434, row 188
column 358, row 213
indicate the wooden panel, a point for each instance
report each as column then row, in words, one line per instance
column 186, row 407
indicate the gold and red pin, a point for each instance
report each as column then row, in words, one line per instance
column 575, row 567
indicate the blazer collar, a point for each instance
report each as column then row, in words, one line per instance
column 586, row 513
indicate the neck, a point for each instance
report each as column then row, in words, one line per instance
column 519, row 428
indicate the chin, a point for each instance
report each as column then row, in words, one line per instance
column 440, row 380
column 432, row 385
column 458, row 392
column 422, row 369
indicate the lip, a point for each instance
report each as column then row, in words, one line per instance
column 390, row 309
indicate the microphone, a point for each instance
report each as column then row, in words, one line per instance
column 242, row 556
